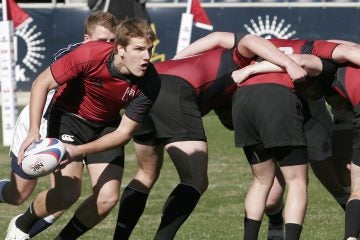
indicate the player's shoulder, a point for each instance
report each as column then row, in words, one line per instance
column 93, row 51
column 98, row 44
column 61, row 52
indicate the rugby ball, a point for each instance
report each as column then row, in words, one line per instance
column 43, row 157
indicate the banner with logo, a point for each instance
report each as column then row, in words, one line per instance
column 55, row 28
column 275, row 22
column 37, row 42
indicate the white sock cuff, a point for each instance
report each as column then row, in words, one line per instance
column 50, row 219
column 3, row 182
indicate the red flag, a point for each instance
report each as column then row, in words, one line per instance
column 17, row 14
column 200, row 17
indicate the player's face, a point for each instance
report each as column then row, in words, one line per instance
column 135, row 57
column 100, row 33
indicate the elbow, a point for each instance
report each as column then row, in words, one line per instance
column 248, row 39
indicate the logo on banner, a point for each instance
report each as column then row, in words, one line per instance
column 35, row 51
column 270, row 28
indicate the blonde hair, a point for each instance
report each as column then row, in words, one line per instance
column 104, row 19
column 133, row 28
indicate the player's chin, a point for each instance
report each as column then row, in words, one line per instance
column 139, row 72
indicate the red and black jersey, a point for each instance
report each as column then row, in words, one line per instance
column 92, row 88
column 209, row 73
column 320, row 48
column 347, row 83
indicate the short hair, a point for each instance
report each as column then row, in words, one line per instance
column 133, row 28
column 104, row 19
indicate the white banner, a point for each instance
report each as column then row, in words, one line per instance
column 185, row 31
column 8, row 83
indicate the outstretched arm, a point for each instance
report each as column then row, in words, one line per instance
column 209, row 42
column 249, row 46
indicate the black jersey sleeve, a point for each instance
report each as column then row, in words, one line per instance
column 138, row 107
column 149, row 87
column 238, row 37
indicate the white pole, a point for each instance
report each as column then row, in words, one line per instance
column 185, row 28
column 188, row 7
column 8, row 83
column 4, row 10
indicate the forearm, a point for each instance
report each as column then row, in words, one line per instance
column 39, row 91
column 312, row 64
column 250, row 46
column 120, row 137
column 341, row 41
column 347, row 53
column 262, row 67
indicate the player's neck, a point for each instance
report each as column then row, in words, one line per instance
column 118, row 64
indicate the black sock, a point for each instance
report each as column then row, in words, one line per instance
column 132, row 205
column 41, row 225
column 276, row 217
column 251, row 229
column 352, row 219
column 73, row 229
column 292, row 231
column 25, row 221
column 177, row 209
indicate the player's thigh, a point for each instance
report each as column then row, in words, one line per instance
column 105, row 177
column 21, row 186
column 68, row 180
column 149, row 158
column 295, row 173
column 264, row 172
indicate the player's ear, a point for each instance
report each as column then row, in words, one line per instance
column 86, row 38
column 121, row 50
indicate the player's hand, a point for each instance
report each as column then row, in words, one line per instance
column 240, row 75
column 30, row 139
column 72, row 152
column 296, row 72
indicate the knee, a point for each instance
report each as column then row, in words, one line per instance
column 106, row 202
column 200, row 184
column 204, row 186
column 66, row 200
column 299, row 184
column 147, row 177
column 18, row 199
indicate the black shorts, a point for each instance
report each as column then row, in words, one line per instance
column 268, row 114
column 284, row 156
column 72, row 129
column 175, row 115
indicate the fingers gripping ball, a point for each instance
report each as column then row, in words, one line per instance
column 43, row 157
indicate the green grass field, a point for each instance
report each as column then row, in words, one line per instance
column 219, row 214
